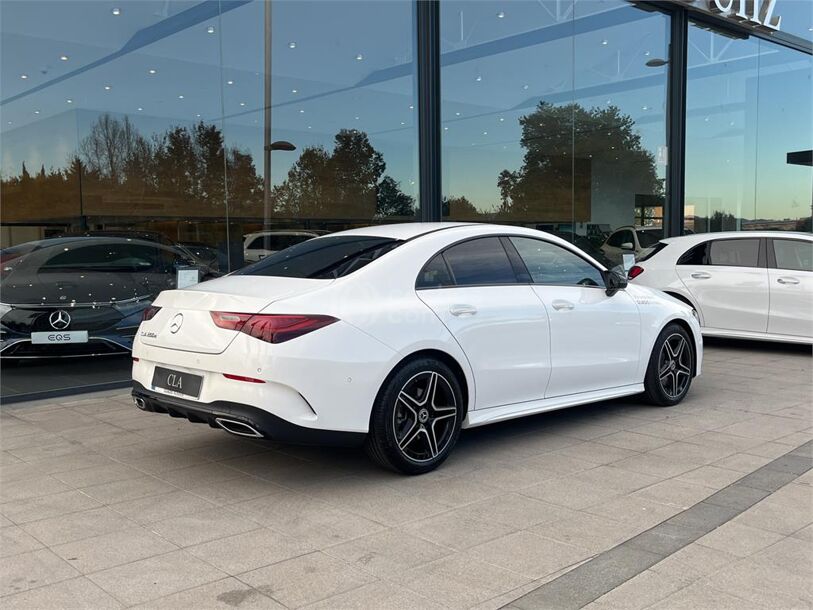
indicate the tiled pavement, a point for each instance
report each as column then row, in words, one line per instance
column 104, row 506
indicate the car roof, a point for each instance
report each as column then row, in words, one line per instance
column 405, row 230
column 701, row 237
column 280, row 232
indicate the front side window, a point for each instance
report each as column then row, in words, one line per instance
column 480, row 261
column 619, row 238
column 324, row 258
column 793, row 254
column 551, row 264
column 734, row 252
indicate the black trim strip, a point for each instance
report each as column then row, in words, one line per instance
column 676, row 125
column 612, row 568
column 427, row 21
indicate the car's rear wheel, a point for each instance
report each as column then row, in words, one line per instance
column 416, row 418
column 671, row 367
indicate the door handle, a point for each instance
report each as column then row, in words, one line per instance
column 560, row 305
column 462, row 310
column 787, row 280
column 701, row 275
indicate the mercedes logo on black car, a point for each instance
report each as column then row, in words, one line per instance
column 59, row 319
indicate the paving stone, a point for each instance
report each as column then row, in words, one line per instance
column 74, row 594
column 225, row 594
column 306, row 579
column 112, row 549
column 739, row 540
column 33, row 569
column 249, row 551
column 148, row 579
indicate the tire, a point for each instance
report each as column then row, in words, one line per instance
column 671, row 367
column 416, row 418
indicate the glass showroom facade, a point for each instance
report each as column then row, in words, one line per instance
column 223, row 130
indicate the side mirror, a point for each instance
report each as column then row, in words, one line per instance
column 614, row 282
column 627, row 246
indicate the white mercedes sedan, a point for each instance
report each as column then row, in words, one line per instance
column 398, row 336
column 745, row 284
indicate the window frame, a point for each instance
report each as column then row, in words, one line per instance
column 521, row 273
column 771, row 254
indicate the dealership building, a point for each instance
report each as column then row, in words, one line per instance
column 197, row 123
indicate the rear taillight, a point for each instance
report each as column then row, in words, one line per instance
column 634, row 272
column 272, row 328
column 242, row 378
column 150, row 312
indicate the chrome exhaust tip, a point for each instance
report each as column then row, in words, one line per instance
column 237, row 427
column 139, row 402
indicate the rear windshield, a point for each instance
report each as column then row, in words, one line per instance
column 650, row 237
column 650, row 252
column 323, row 258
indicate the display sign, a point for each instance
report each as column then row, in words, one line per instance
column 757, row 14
column 187, row 276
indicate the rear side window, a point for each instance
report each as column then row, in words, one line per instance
column 435, row 274
column 649, row 238
column 323, row 258
column 723, row 252
column 793, row 254
column 480, row 262
column 734, row 252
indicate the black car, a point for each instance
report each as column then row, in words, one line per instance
column 77, row 296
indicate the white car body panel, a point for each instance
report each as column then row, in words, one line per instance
column 736, row 302
column 329, row 379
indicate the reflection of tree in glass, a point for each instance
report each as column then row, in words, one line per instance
column 347, row 182
column 569, row 149
column 460, row 208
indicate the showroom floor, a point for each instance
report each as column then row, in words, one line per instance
column 707, row 504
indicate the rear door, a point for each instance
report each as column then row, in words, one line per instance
column 498, row 321
column 728, row 279
column 595, row 338
column 790, row 272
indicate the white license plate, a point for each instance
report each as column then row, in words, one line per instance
column 60, row 336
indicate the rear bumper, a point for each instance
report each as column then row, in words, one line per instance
column 268, row 425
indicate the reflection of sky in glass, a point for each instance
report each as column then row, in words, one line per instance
column 340, row 64
column 748, row 106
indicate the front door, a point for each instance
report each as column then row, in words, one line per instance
column 791, row 287
column 595, row 338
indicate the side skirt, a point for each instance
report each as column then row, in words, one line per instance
column 495, row 414
column 744, row 334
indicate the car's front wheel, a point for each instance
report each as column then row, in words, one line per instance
column 416, row 418
column 671, row 367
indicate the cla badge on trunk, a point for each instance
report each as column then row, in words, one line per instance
column 59, row 319
column 176, row 323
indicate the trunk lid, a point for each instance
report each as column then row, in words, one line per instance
column 185, row 323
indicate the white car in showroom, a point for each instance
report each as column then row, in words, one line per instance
column 748, row 284
column 398, row 336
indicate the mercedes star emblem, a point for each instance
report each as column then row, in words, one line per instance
column 59, row 319
column 176, row 323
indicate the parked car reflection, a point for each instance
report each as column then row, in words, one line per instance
column 82, row 295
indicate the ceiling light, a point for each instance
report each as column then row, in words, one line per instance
column 301, row 112
column 140, row 109
column 357, row 118
column 294, row 91
column 478, row 78
column 107, row 87
column 411, row 107
column 180, row 97
column 116, row 11
column 402, row 123
column 242, row 103
column 359, row 57
column 198, row 115
column 309, row 127
column 210, row 29
column 524, row 87
column 63, row 57
column 457, row 114
column 445, row 129
column 485, row 133
column 604, row 43
column 229, row 82
column 291, row 45
column 502, row 120
column 69, row 101
column 9, row 122
column 152, row 71
column 501, row 15
column 646, row 53
column 24, row 76
column 36, row 112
